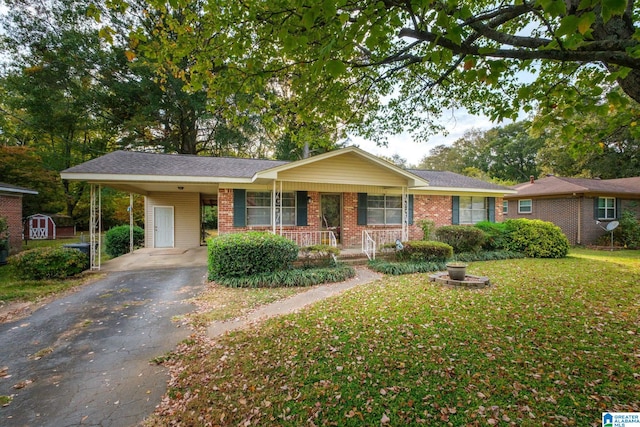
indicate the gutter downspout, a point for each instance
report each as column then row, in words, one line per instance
column 579, row 221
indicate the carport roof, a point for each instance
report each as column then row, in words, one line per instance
column 140, row 163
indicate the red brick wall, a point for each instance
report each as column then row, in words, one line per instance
column 11, row 209
column 435, row 208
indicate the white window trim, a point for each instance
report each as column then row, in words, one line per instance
column 484, row 210
column 505, row 207
column 520, row 211
column 607, row 209
column 384, row 209
column 248, row 208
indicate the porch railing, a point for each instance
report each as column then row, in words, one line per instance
column 373, row 239
column 310, row 238
column 368, row 245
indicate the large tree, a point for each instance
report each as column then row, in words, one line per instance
column 389, row 65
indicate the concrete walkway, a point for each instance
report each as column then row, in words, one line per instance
column 294, row 303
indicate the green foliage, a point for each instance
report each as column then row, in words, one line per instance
column 462, row 238
column 117, row 240
column 428, row 227
column 424, row 251
column 49, row 263
column 210, row 218
column 290, row 278
column 536, row 238
column 628, row 232
column 4, row 236
column 495, row 234
column 249, row 254
column 487, row 256
column 397, row 268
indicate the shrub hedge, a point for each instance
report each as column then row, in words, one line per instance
column 628, row 233
column 424, row 251
column 536, row 238
column 495, row 235
column 248, row 254
column 290, row 278
column 397, row 268
column 462, row 238
column 49, row 263
column 116, row 240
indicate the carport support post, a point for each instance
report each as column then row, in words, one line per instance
column 95, row 227
column 130, row 222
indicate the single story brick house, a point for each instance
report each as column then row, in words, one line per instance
column 579, row 206
column 11, row 209
column 342, row 197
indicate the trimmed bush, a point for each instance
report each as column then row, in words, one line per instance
column 398, row 268
column 462, row 238
column 49, row 263
column 487, row 256
column 290, row 278
column 117, row 240
column 248, row 254
column 536, row 238
column 495, row 235
column 424, row 251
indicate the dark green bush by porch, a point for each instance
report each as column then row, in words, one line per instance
column 495, row 235
column 297, row 277
column 536, row 238
column 462, row 238
column 117, row 240
column 424, row 251
column 49, row 263
column 248, row 254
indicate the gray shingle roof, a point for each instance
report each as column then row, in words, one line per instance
column 137, row 163
column 448, row 179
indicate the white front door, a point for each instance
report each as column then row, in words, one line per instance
column 163, row 226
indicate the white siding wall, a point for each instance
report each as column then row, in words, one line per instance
column 186, row 208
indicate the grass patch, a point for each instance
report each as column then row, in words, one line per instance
column 552, row 342
column 219, row 302
column 12, row 288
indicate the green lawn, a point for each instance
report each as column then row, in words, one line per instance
column 13, row 288
column 552, row 342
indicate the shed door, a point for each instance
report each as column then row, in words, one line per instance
column 38, row 228
column 163, row 230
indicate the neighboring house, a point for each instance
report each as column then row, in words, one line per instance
column 347, row 193
column 579, row 206
column 11, row 209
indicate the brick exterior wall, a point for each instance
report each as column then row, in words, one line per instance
column 434, row 207
column 11, row 209
column 566, row 213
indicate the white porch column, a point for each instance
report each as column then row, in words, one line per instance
column 273, row 208
column 130, row 209
column 405, row 214
column 95, row 227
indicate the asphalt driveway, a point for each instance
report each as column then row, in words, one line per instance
column 84, row 359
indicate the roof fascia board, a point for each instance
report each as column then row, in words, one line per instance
column 98, row 177
column 17, row 191
column 450, row 190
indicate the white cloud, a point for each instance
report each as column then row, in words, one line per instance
column 403, row 145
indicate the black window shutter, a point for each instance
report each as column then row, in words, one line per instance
column 362, row 208
column 239, row 208
column 618, row 208
column 491, row 202
column 410, row 209
column 301, row 208
column 596, row 202
column 455, row 210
